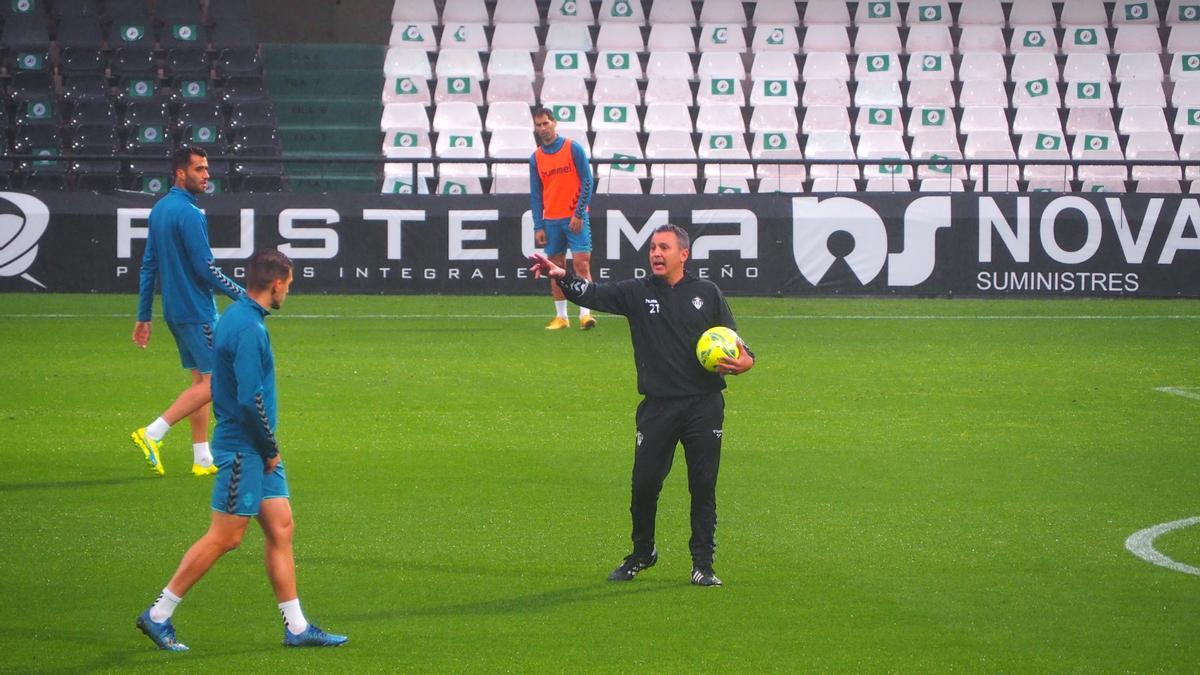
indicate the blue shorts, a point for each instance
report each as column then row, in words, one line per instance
column 195, row 343
column 559, row 237
column 241, row 484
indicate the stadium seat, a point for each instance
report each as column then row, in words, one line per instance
column 775, row 39
column 938, row 145
column 883, row 145
column 775, row 13
column 413, row 36
column 1186, row 66
column 464, row 35
column 981, row 13
column 670, row 65
column 572, row 121
column 1031, row 12
column 1158, row 186
column 981, row 39
column 1098, row 145
column 1088, row 95
column 774, row 118
column 774, row 92
column 618, row 145
column 931, row 119
column 404, row 116
column 671, row 145
column 1153, row 145
column 826, row 118
column 721, row 118
column 673, row 185
column 512, row 144
column 672, row 11
column 1040, row 92
column 615, row 184
column 726, row 185
column 630, row 12
column 515, row 183
column 414, row 10
column 1143, row 92
column 1189, row 151
column 1075, row 12
column 461, row 144
column 833, row 38
column 1142, row 118
column 825, row 93
column 878, row 93
column 459, row 185
column 930, row 66
column 1135, row 12
column 459, row 63
column 725, row 146
column 461, row 89
column 618, row 64
column 722, row 12
column 515, row 37
column 671, row 37
column 720, row 90
column 1085, row 40
column 779, row 146
column 833, row 184
column 826, row 66
column 1183, row 37
column 929, row 38
column 257, row 113
column 408, row 145
column 724, row 64
column 1186, row 93
column 1137, row 66
column 506, row 115
column 456, row 116
column 878, row 66
column 616, row 117
column 669, row 90
column 568, row 36
column 828, row 145
column 620, row 37
column 877, row 38
column 777, row 181
column 1182, row 12
column 941, row 185
column 509, row 62
column 721, row 38
column 668, row 117
column 983, row 118
column 1187, row 120
column 465, row 11
column 1033, row 66
column 877, row 12
column 510, row 88
column 564, row 89
column 1137, row 40
column 570, row 11
column 888, row 184
column 398, row 179
column 515, row 11
column 991, row 145
column 931, row 93
column 1045, row 145
column 1036, row 38
column 401, row 61
column 874, row 120
column 929, row 13
column 1037, row 119
column 982, row 66
column 1093, row 67
column 1089, row 119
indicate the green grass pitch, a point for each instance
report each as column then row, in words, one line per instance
column 906, row 485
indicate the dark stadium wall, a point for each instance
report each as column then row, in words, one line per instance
column 366, row 21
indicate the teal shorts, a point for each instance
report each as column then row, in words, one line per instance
column 559, row 237
column 195, row 343
column 242, row 485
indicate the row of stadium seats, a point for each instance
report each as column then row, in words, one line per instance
column 803, row 13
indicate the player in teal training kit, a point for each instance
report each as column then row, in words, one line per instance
column 178, row 254
column 251, row 482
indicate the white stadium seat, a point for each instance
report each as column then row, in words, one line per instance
column 1139, row 66
column 878, row 66
column 1186, row 65
column 930, row 66
column 454, row 115
column 775, row 13
column 620, row 37
column 888, row 184
column 1142, row 92
column 1137, row 40
column 458, row 185
column 668, row 117
column 618, row 64
column 1091, row 39
column 931, row 119
column 472, row 11
column 831, row 184
column 514, row 11
column 830, row 145
column 775, row 38
column 1033, row 38
column 618, row 145
column 616, row 117
column 821, row 12
column 929, row 13
column 510, row 62
column 564, row 89
column 826, row 66
column 677, row 64
column 567, row 62
column 624, row 12
column 516, row 36
column 871, row 120
column 1084, row 12
column 1083, row 94
column 877, row 12
column 877, row 38
column 1090, row 119
column 510, row 88
column 405, row 89
column 834, row 39
column 672, row 11
column 722, row 64
column 508, row 115
column 929, row 38
column 1184, row 37
column 720, row 118
column 616, row 90
column 1093, row 67
column 1030, row 12
column 1135, row 12
column 459, row 63
column 725, row 146
column 726, row 185
column 723, row 12
column 673, row 185
column 568, row 36
column 671, row 37
column 460, row 35
column 982, row 39
column 774, row 66
column 981, row 13
column 982, row 66
column 986, row 93
column 826, row 118
column 401, row 61
column 407, row 11
column 668, row 90
column 404, row 116
column 413, row 36
column 671, row 145
column 825, row 92
column 462, row 89
column 1142, row 118
column 570, row 11
column 774, row 92
column 1183, row 12
column 722, row 38
column 774, row 118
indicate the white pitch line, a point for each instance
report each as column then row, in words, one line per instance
column 756, row 317
column 1141, row 544
column 1179, row 392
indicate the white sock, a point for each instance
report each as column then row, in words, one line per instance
column 584, row 311
column 157, row 429
column 293, row 618
column 560, row 310
column 201, row 454
column 164, row 606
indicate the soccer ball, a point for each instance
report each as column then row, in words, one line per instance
column 716, row 344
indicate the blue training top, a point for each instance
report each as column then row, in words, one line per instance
column 243, row 381
column 582, row 167
column 177, row 250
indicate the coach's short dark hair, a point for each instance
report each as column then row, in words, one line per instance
column 544, row 112
column 182, row 157
column 681, row 234
column 267, row 266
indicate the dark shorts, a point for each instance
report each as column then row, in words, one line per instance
column 241, row 484
column 195, row 343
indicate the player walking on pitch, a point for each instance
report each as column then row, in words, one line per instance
column 251, row 481
column 177, row 252
column 560, row 188
column 667, row 313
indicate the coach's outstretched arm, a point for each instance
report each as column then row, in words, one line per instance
column 610, row 298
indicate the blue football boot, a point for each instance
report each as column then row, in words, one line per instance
column 162, row 634
column 312, row 637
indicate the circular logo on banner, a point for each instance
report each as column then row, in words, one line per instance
column 776, row 37
column 403, row 189
column 933, row 117
column 30, row 61
column 1088, row 90
column 1086, row 36
column 405, row 85
column 878, row 9
column 150, row 134
column 132, row 33
column 1034, row 38
column 1193, row 62
column 454, row 189
column 141, row 88
column 775, row 140
column 720, row 34
column 406, row 140
column 1037, row 88
column 460, row 141
column 460, row 35
column 22, row 231
column 878, row 62
column 1048, row 142
column 612, row 114
column 38, row 110
column 1096, row 143
column 722, row 86
column 566, row 60
column 24, row 5
column 720, row 142
column 930, row 63
column 775, row 87
column 154, row 185
column 458, row 83
column 622, row 9
column 1188, row 13
column 930, row 13
column 204, row 134
column 412, row 33
column 211, row 188
column 569, row 8
column 879, row 116
column 564, row 113
column 185, row 32
column 193, row 89
column 1135, row 11
column 616, row 61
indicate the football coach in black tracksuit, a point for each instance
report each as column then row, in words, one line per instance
column 667, row 313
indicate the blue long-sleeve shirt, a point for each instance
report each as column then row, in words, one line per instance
column 586, row 182
column 177, row 250
column 243, row 381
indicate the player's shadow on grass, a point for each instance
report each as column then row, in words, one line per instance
column 534, row 602
column 69, row 484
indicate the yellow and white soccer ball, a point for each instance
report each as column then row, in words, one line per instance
column 715, row 344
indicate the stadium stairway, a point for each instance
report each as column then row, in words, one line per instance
column 327, row 101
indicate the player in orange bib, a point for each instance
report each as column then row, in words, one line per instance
column 560, row 188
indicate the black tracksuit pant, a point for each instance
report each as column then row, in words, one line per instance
column 697, row 422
